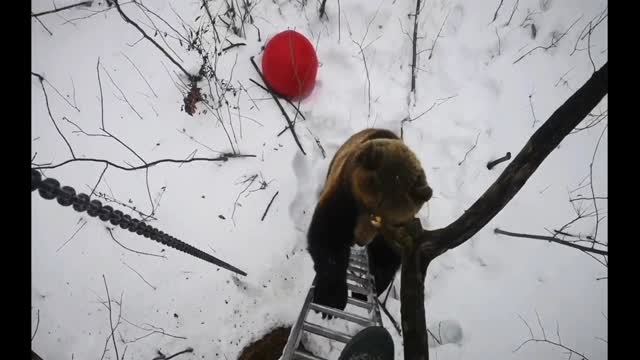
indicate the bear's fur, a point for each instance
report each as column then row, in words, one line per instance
column 374, row 179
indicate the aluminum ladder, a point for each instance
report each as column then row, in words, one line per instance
column 359, row 280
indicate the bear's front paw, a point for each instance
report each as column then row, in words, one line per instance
column 331, row 295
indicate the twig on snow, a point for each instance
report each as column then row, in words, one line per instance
column 495, row 162
column 37, row 325
column 128, row 20
column 85, row 3
column 515, row 7
column 109, row 306
column 135, row 251
column 141, row 277
column 46, row 99
column 554, row 42
column 269, row 206
column 275, row 98
column 468, row 151
column 224, row 157
column 140, row 73
column 496, row 13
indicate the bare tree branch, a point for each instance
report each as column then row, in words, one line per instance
column 135, row 251
column 110, row 319
column 128, row 20
column 84, row 3
column 224, row 157
column 553, row 240
column 554, row 42
column 46, row 99
column 419, row 247
column 275, row 98
column 414, row 39
column 551, row 342
column 541, row 143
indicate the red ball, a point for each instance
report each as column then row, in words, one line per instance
column 290, row 65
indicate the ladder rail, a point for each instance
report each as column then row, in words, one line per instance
column 357, row 272
column 296, row 330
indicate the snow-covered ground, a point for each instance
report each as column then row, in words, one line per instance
column 469, row 83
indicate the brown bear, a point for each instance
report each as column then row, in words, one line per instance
column 373, row 180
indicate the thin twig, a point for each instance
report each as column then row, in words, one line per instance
column 589, row 49
column 232, row 46
column 188, row 350
column 554, row 240
column 554, row 42
column 275, row 98
column 85, row 3
column 224, row 157
column 322, row 9
column 532, row 112
column 80, row 129
column 393, row 321
column 415, row 39
column 37, row 325
column 137, row 273
column 268, row 206
column 433, row 47
column 515, row 7
column 98, row 182
column 468, row 151
column 135, row 251
column 44, row 26
column 593, row 158
column 122, row 93
column 366, row 69
column 72, row 236
column 46, row 99
column 140, row 73
column 496, row 13
column 126, row 18
column 590, row 198
column 109, row 305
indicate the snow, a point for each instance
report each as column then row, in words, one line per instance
column 475, row 294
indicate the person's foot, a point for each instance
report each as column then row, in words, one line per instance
column 372, row 343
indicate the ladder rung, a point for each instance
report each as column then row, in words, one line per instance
column 343, row 315
column 358, row 289
column 359, row 263
column 358, row 279
column 328, row 333
column 302, row 355
column 324, row 332
column 360, row 303
column 357, row 270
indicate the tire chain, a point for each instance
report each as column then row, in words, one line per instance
column 50, row 189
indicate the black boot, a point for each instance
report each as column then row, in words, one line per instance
column 372, row 343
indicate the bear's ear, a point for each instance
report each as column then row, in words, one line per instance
column 370, row 157
column 422, row 193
